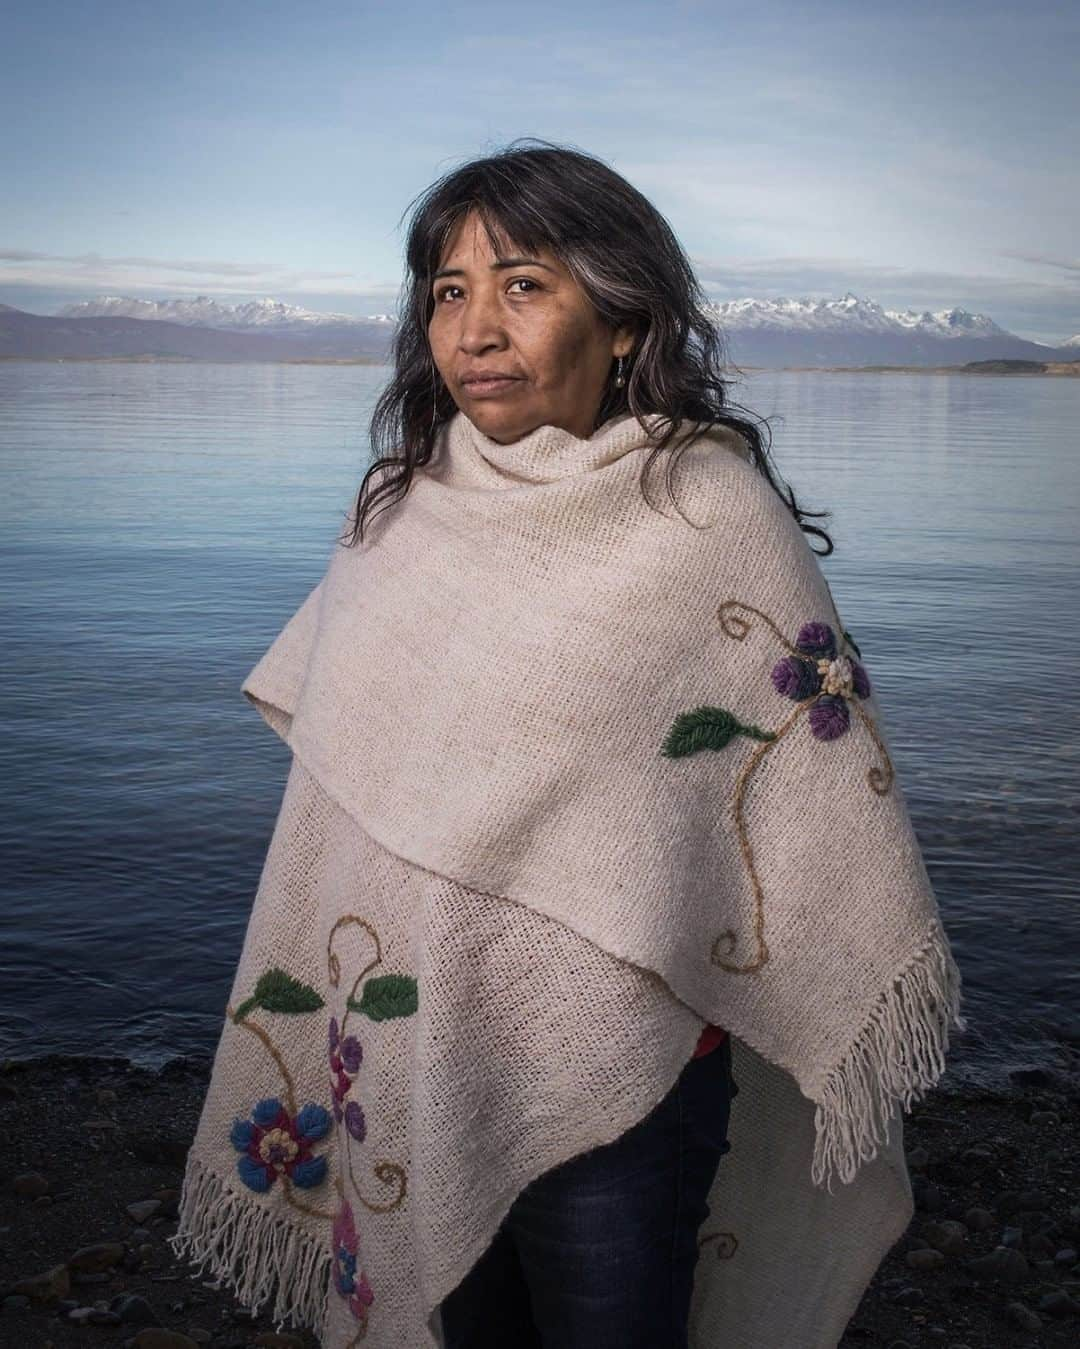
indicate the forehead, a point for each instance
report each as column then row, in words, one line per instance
column 469, row 239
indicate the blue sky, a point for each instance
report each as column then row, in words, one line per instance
column 921, row 155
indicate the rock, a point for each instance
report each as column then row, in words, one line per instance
column 156, row 1337
column 31, row 1183
column 134, row 1310
column 1023, row 1317
column 978, row 1219
column 928, row 1198
column 80, row 1315
column 169, row 1198
column 94, row 1259
column 1041, row 1247
column 1002, row 1265
column 15, row 1302
column 1033, row 1200
column 105, row 1096
column 1006, row 1203
column 46, row 1287
column 1066, row 1257
column 947, row 1236
column 917, row 1159
column 159, row 1149
column 1059, row 1304
column 137, row 1235
column 1050, row 1117
column 101, row 1316
column 924, row 1260
column 143, row 1209
column 908, row 1296
column 1012, row 1237
column 274, row 1339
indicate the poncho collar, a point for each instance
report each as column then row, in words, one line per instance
column 545, row 454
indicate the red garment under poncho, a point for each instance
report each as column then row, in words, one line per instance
column 710, row 1037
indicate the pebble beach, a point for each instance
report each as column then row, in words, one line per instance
column 95, row 1154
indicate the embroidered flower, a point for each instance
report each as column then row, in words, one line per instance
column 353, row 1287
column 274, row 1143
column 825, row 675
column 346, row 1055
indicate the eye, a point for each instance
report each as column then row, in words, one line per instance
column 442, row 294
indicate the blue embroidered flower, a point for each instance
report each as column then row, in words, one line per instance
column 826, row 676
column 274, row 1143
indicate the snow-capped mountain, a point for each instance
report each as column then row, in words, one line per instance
column 205, row 312
column 1072, row 341
column 850, row 314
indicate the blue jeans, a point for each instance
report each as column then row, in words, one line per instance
column 599, row 1253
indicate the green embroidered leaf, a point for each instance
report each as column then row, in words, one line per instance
column 851, row 642
column 387, row 996
column 707, row 728
column 277, row 991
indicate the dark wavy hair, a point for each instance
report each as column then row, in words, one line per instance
column 625, row 257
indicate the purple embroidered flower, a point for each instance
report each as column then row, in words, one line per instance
column 274, row 1143
column 346, row 1055
column 352, row 1286
column 354, row 1120
column 819, row 672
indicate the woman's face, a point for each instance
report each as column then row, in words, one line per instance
column 530, row 320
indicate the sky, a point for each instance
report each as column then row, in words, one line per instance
column 920, row 155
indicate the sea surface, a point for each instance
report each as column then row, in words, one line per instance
column 160, row 523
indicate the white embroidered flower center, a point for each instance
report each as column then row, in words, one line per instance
column 836, row 675
column 277, row 1147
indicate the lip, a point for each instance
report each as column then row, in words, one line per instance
column 486, row 388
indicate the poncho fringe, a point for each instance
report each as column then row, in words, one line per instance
column 860, row 1094
column 252, row 1252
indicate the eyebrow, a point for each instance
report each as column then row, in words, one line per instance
column 496, row 266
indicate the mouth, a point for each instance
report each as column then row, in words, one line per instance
column 489, row 386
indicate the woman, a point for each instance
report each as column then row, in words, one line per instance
column 590, row 815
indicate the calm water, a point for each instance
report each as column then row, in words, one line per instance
column 161, row 522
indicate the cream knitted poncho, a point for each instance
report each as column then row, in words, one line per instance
column 572, row 775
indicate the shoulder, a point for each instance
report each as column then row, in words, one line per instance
column 719, row 489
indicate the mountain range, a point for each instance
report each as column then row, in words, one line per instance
column 851, row 330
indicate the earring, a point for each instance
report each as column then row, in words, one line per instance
column 619, row 380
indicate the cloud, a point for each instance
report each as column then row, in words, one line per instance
column 135, row 273
column 1067, row 265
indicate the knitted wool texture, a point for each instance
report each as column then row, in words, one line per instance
column 573, row 774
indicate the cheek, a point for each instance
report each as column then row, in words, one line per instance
column 561, row 346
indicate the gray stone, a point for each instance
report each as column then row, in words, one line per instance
column 143, row 1209
column 947, row 1236
column 1001, row 1265
column 48, row 1286
column 134, row 1310
column 979, row 1219
column 1023, row 1317
column 102, row 1255
column 1059, row 1304
column 924, row 1260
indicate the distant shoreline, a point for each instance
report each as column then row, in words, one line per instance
column 1002, row 367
